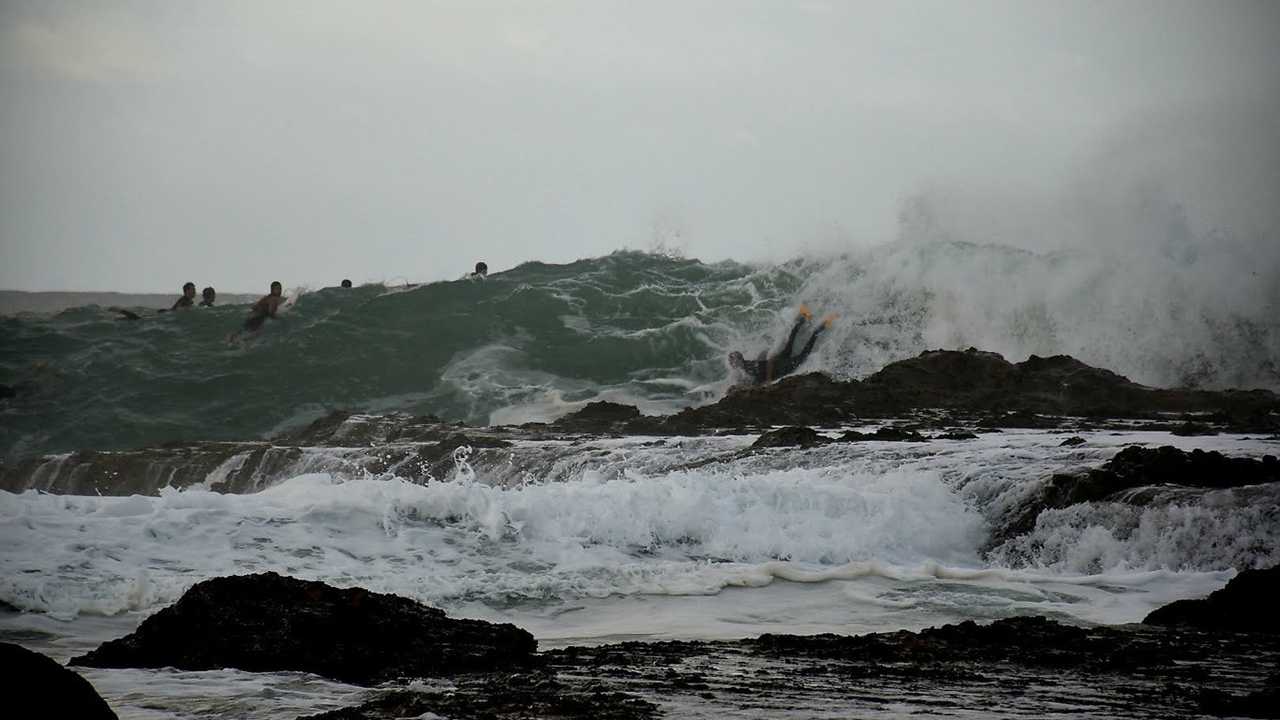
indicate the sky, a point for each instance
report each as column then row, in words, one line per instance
column 144, row 144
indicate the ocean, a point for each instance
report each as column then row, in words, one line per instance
column 595, row 539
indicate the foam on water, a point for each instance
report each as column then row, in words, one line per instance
column 888, row 523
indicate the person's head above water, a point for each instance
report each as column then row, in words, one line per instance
column 482, row 269
column 209, row 295
column 189, row 289
column 346, row 283
column 276, row 288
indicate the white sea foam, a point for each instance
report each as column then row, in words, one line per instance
column 895, row 525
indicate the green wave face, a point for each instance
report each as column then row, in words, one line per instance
column 653, row 331
column 526, row 344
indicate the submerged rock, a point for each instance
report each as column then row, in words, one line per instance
column 37, row 686
column 502, row 697
column 1246, row 604
column 269, row 622
column 1022, row 666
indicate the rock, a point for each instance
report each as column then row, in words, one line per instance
column 1093, row 671
column 791, row 437
column 595, row 415
column 37, row 686
column 1264, row 703
column 810, row 399
column 502, row 697
column 1135, row 467
column 1072, row 441
column 884, row 434
column 1193, row 429
column 1246, row 604
column 956, row 435
column 268, row 622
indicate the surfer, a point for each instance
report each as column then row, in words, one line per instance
column 188, row 298
column 265, row 307
column 767, row 369
column 209, row 295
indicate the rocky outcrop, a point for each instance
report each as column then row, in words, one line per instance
column 1136, row 467
column 792, row 436
column 37, row 686
column 885, row 434
column 1014, row 667
column 1246, row 604
column 268, row 622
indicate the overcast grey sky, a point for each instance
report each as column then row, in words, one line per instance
column 232, row 143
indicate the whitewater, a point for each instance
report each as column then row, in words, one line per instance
column 614, row 538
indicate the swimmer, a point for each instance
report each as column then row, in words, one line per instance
column 265, row 307
column 482, row 271
column 209, row 295
column 188, row 298
column 346, row 283
column 769, row 369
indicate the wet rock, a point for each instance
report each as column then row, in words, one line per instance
column 1136, row 467
column 36, row 686
column 1246, row 604
column 441, row 458
column 1193, row 429
column 884, row 434
column 597, row 417
column 1072, row 441
column 1033, row 666
column 810, row 399
column 803, row 437
column 956, row 435
column 1264, row 703
column 516, row 696
column 268, row 622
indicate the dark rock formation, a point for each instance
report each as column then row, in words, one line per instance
column 956, row 435
column 1135, row 467
column 37, row 686
column 1247, row 604
column 598, row 417
column 1014, row 667
column 885, row 434
column 1193, row 429
column 811, row 399
column 268, row 622
column 1072, row 441
column 503, row 697
column 791, row 437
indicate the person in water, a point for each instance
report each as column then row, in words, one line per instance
column 482, row 271
column 208, row 295
column 768, row 369
column 346, row 283
column 188, row 299
column 265, row 308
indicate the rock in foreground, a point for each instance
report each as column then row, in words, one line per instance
column 37, row 686
column 1246, row 604
column 268, row 622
